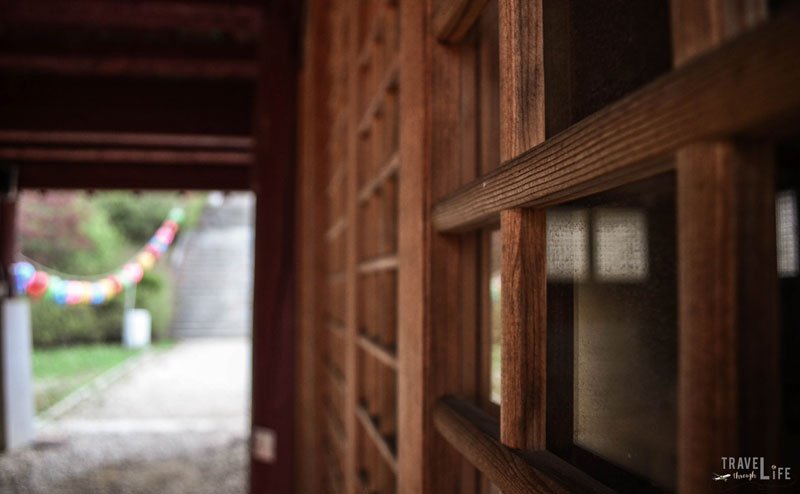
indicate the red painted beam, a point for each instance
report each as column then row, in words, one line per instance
column 273, row 382
column 138, row 157
column 186, row 68
column 162, row 106
column 122, row 139
column 156, row 177
column 241, row 21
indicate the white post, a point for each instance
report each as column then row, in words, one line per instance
column 17, row 387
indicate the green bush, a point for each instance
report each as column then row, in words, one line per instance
column 135, row 217
column 63, row 231
column 59, row 325
column 79, row 235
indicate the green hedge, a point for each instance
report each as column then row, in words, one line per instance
column 56, row 325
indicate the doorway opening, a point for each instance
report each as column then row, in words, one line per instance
column 115, row 412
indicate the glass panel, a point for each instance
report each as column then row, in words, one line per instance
column 612, row 282
column 786, row 228
column 495, row 253
column 788, row 244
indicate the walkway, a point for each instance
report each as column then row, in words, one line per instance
column 214, row 271
column 176, row 424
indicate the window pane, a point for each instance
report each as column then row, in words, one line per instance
column 495, row 252
column 612, row 301
column 786, row 228
column 788, row 243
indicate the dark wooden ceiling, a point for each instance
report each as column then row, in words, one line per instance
column 178, row 69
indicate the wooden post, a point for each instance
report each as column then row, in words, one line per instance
column 524, row 316
column 728, row 364
column 311, row 216
column 351, row 232
column 524, row 309
column 413, row 239
column 273, row 283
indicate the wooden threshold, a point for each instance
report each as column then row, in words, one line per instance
column 748, row 85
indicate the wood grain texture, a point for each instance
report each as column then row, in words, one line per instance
column 524, row 308
column 521, row 77
column 728, row 365
column 524, row 314
column 413, row 288
column 729, row 334
column 700, row 26
column 432, row 359
column 708, row 307
column 747, row 85
column 313, row 423
column 475, row 434
column 350, row 188
column 452, row 19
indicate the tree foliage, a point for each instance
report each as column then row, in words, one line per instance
column 80, row 235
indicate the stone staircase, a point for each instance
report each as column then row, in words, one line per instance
column 213, row 272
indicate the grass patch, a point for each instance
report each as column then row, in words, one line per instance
column 58, row 372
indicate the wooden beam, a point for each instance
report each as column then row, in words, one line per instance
column 135, row 105
column 413, row 288
column 314, row 329
column 274, row 330
column 120, row 66
column 138, row 157
column 729, row 333
column 523, row 407
column 133, row 176
column 353, row 413
column 476, row 435
column 125, row 139
column 521, row 77
column 747, row 85
column 240, row 21
column 524, row 232
column 452, row 19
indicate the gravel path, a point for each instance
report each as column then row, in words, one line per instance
column 177, row 424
